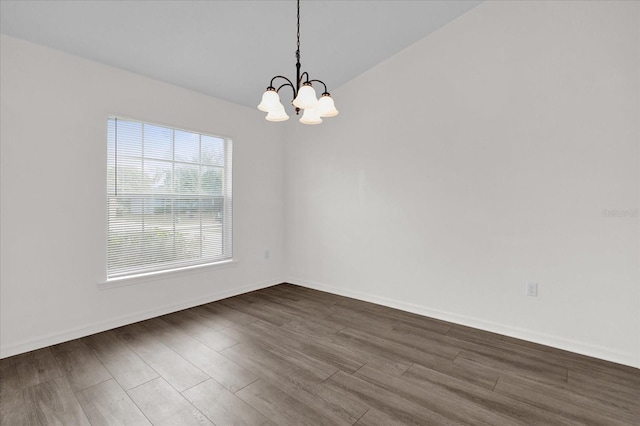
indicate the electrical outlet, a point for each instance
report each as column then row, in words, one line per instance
column 532, row 289
column 266, row 254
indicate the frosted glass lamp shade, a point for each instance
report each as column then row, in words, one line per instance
column 326, row 107
column 270, row 101
column 306, row 97
column 310, row 116
column 277, row 114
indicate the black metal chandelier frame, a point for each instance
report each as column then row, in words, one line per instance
column 299, row 76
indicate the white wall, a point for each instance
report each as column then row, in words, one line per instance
column 476, row 160
column 54, row 109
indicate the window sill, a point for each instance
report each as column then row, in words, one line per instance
column 161, row 275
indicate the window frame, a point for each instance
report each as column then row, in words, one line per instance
column 197, row 264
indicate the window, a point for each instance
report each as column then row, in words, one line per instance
column 169, row 198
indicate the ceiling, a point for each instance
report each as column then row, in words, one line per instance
column 230, row 49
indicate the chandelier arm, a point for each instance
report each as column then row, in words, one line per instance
column 321, row 82
column 280, row 76
column 287, row 84
column 301, row 77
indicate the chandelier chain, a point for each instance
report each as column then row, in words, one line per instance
column 298, row 34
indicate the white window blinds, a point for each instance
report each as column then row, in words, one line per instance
column 169, row 198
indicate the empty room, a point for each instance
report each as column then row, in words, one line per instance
column 319, row 212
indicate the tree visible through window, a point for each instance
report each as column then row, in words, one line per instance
column 169, row 198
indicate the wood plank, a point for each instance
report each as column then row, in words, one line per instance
column 82, row 367
column 396, row 315
column 163, row 405
column 491, row 345
column 494, row 348
column 17, row 409
column 259, row 310
column 624, row 379
column 375, row 417
column 513, row 364
column 196, row 327
column 560, row 402
column 224, row 371
column 452, row 405
column 298, row 383
column 299, row 309
column 609, row 370
column 318, row 310
column 361, row 320
column 176, row 370
column 324, row 356
column 392, row 350
column 490, row 400
column 123, row 364
column 281, row 408
column 476, row 335
column 315, row 327
column 108, row 404
column 388, row 367
column 442, row 339
column 337, row 404
column 478, row 376
column 9, row 380
column 394, row 406
column 312, row 295
column 615, row 394
column 54, row 403
column 306, row 361
column 266, row 364
column 476, row 373
column 222, row 406
column 437, row 346
column 29, row 369
column 282, row 292
column 363, row 353
column 233, row 316
column 208, row 318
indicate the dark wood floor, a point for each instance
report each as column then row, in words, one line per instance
column 288, row 355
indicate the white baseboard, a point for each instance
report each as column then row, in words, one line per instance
column 100, row 326
column 519, row 333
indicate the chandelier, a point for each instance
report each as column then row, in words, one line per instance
column 304, row 96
